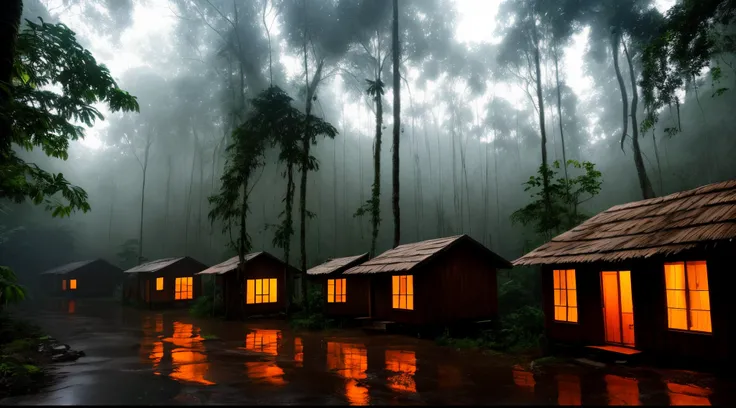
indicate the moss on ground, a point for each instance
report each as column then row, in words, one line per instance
column 21, row 363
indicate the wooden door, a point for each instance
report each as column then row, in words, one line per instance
column 618, row 307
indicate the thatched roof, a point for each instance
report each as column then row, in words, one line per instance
column 155, row 266
column 232, row 264
column 658, row 226
column 408, row 256
column 64, row 269
column 337, row 265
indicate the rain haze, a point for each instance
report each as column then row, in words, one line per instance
column 518, row 121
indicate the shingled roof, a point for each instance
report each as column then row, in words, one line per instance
column 408, row 256
column 658, row 226
column 232, row 264
column 64, row 269
column 154, row 266
column 337, row 265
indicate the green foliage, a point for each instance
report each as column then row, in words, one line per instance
column 311, row 317
column 48, row 55
column 203, row 307
column 10, row 290
column 565, row 195
column 694, row 33
column 19, row 369
column 128, row 255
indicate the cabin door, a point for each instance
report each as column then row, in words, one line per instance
column 618, row 307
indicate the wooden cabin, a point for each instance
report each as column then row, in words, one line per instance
column 164, row 282
column 647, row 276
column 343, row 296
column 261, row 287
column 444, row 281
column 83, row 279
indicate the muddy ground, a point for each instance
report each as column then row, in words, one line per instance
column 148, row 357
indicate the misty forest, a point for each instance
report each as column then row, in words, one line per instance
column 143, row 129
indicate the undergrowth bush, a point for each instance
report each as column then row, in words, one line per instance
column 19, row 357
column 203, row 307
column 312, row 316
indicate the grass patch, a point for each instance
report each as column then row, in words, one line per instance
column 21, row 362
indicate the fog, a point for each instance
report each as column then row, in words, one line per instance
column 470, row 133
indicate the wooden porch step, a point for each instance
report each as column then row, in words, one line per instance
column 378, row 325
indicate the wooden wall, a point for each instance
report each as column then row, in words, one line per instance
column 357, row 299
column 96, row 279
column 261, row 267
column 146, row 283
column 650, row 307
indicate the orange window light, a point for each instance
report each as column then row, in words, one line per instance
column 688, row 300
column 566, row 295
column 63, row 284
column 336, row 290
column 183, row 288
column 159, row 283
column 72, row 284
column 261, row 291
column 403, row 292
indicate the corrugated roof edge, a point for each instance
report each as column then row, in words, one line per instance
column 357, row 260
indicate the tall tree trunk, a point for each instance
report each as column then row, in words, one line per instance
column 376, row 189
column 200, row 198
column 641, row 171
column 143, row 199
column 397, row 124
column 111, row 212
column 559, row 110
column 615, row 39
column 542, row 127
column 10, row 14
column 189, row 194
column 167, row 199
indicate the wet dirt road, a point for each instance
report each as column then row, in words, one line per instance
column 143, row 357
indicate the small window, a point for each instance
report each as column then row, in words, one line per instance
column 336, row 290
column 159, row 283
column 688, row 300
column 261, row 291
column 183, row 289
column 566, row 296
column 403, row 292
column 72, row 284
column 63, row 284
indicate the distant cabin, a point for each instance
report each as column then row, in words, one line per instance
column 164, row 282
column 444, row 281
column 342, row 297
column 93, row 278
column 261, row 289
column 650, row 276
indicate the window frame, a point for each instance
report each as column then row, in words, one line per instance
column 161, row 280
column 336, row 296
column 256, row 296
column 566, row 291
column 72, row 284
column 687, row 309
column 189, row 280
column 398, row 295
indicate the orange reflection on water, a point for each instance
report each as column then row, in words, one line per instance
column 523, row 378
column 71, row 306
column 687, row 394
column 263, row 341
column 405, row 364
column 159, row 323
column 156, row 354
column 298, row 351
column 188, row 359
column 622, row 391
column 568, row 389
column 265, row 371
column 351, row 362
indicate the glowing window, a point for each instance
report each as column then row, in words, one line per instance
column 72, row 284
column 336, row 289
column 566, row 296
column 403, row 292
column 159, row 283
column 261, row 291
column 183, row 289
column 688, row 301
column 63, row 284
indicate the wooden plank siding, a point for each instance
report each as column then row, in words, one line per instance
column 235, row 287
column 357, row 296
column 651, row 331
column 144, row 289
column 95, row 279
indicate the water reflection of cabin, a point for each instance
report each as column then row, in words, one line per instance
column 93, row 278
column 438, row 282
column 648, row 276
column 164, row 282
column 342, row 296
column 264, row 285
